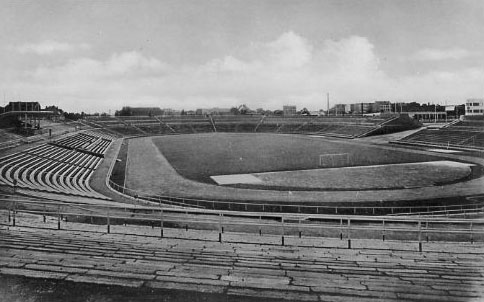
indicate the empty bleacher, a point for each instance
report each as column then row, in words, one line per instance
column 346, row 127
column 64, row 166
column 463, row 134
column 88, row 142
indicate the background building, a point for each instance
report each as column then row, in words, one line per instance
column 22, row 106
column 289, row 110
column 475, row 107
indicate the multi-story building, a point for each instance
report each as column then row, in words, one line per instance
column 22, row 106
column 360, row 108
column 382, row 106
column 289, row 110
column 475, row 107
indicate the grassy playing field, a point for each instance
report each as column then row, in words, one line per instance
column 200, row 156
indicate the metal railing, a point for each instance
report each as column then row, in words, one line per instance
column 474, row 208
column 409, row 229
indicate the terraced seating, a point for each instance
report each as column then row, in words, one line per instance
column 137, row 119
column 346, row 130
column 476, row 125
column 54, row 168
column 226, row 127
column 347, row 127
column 245, row 127
column 202, row 127
column 238, row 123
column 126, row 130
column 263, row 127
column 288, row 128
column 182, row 128
column 342, row 127
column 158, row 129
column 91, row 142
column 237, row 118
column 241, row 267
column 447, row 137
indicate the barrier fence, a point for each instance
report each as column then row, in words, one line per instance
column 415, row 230
column 475, row 207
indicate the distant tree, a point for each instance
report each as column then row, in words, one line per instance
column 72, row 116
column 305, row 111
column 243, row 109
column 234, row 111
column 125, row 111
column 54, row 109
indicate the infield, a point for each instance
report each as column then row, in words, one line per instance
column 198, row 157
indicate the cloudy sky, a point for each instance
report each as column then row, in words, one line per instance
column 98, row 56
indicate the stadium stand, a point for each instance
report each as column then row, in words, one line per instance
column 63, row 166
column 344, row 127
column 463, row 134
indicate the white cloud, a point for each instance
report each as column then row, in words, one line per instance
column 287, row 70
column 432, row 54
column 127, row 64
column 48, row 47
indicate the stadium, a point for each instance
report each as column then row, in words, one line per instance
column 309, row 165
column 248, row 179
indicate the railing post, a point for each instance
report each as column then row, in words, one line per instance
column 14, row 213
column 161, row 222
column 260, row 225
column 419, row 235
column 299, row 226
column 58, row 218
column 349, row 233
column 283, row 232
column 186, row 219
column 341, row 228
column 472, row 235
column 383, row 231
column 427, row 230
column 220, row 230
column 108, row 221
